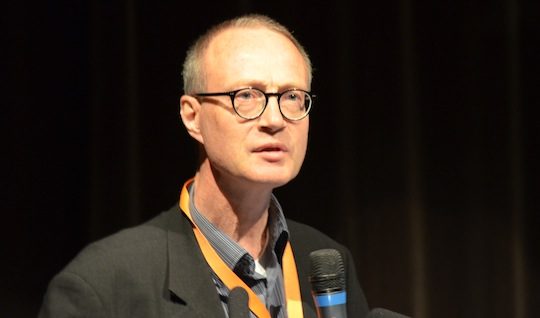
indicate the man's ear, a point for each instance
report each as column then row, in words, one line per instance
column 190, row 114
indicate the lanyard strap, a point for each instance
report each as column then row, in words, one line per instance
column 231, row 280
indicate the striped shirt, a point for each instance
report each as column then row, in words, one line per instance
column 263, row 276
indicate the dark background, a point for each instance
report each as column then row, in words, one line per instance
column 422, row 153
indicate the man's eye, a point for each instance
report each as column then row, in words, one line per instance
column 293, row 96
column 246, row 95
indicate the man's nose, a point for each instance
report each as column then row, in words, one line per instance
column 272, row 117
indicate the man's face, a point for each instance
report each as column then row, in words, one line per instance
column 270, row 149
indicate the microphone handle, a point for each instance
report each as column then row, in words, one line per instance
column 337, row 311
column 331, row 304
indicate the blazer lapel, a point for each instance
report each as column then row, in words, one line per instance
column 189, row 276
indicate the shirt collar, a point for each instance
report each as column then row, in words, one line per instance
column 230, row 252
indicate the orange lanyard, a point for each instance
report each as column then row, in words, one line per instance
column 229, row 278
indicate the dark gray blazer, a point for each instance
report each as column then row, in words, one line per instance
column 157, row 270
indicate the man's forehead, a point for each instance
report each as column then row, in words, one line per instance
column 241, row 55
column 241, row 36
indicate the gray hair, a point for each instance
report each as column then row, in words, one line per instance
column 193, row 72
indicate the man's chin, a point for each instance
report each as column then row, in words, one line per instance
column 273, row 179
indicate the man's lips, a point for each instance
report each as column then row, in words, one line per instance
column 271, row 152
column 272, row 147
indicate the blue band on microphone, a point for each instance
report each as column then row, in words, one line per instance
column 333, row 299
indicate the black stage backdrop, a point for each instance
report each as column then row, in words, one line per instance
column 421, row 155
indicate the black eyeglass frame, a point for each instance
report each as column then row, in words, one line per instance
column 232, row 94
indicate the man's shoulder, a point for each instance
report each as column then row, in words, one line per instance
column 306, row 236
column 128, row 269
column 140, row 246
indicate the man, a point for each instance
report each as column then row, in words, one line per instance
column 246, row 103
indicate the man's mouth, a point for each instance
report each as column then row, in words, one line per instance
column 271, row 152
column 271, row 148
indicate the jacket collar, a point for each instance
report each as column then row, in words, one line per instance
column 189, row 276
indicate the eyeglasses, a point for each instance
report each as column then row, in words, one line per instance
column 250, row 103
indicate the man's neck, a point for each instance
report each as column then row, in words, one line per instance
column 241, row 213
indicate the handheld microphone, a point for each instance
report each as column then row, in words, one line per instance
column 383, row 313
column 238, row 303
column 328, row 283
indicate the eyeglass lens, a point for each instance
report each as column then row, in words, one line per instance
column 250, row 103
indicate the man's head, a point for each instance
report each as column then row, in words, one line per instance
column 194, row 72
column 257, row 52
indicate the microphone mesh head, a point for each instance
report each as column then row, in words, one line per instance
column 327, row 271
